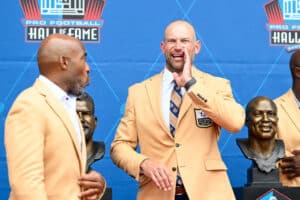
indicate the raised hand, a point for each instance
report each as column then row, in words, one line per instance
column 186, row 74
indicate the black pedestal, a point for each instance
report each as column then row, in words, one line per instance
column 259, row 178
column 279, row 193
column 265, row 186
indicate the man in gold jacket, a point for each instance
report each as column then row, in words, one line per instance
column 289, row 126
column 44, row 140
column 188, row 164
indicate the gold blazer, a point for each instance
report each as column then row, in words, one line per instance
column 288, row 129
column 44, row 157
column 194, row 149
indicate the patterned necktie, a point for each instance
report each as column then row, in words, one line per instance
column 175, row 102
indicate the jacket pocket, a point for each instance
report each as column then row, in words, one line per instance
column 214, row 165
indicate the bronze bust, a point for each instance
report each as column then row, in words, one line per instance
column 85, row 108
column 261, row 145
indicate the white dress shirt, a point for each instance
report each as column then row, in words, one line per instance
column 68, row 101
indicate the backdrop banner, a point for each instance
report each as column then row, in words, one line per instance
column 247, row 42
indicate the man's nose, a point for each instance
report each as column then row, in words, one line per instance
column 265, row 116
column 178, row 45
column 87, row 67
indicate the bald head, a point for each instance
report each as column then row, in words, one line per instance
column 62, row 59
column 261, row 119
column 253, row 104
column 180, row 23
column 53, row 48
column 295, row 63
column 295, row 59
column 179, row 39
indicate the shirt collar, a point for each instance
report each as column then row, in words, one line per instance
column 167, row 76
column 297, row 101
column 58, row 92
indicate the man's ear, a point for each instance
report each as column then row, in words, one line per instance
column 64, row 61
column 162, row 46
column 197, row 46
column 296, row 72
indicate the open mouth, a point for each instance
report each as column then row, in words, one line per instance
column 178, row 57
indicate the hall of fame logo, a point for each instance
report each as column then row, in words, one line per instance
column 273, row 195
column 77, row 18
column 284, row 23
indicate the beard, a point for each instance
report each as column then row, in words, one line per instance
column 76, row 86
column 173, row 66
column 76, row 90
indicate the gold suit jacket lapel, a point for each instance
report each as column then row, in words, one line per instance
column 153, row 88
column 187, row 102
column 61, row 112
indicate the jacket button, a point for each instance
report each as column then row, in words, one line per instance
column 174, row 169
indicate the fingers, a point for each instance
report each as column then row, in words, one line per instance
column 287, row 161
column 296, row 152
column 287, row 167
column 291, row 175
column 291, row 172
column 90, row 184
column 290, row 166
column 162, row 179
column 159, row 174
column 288, row 170
column 187, row 57
column 93, row 185
column 91, row 176
column 186, row 73
column 90, row 194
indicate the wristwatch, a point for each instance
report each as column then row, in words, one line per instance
column 188, row 84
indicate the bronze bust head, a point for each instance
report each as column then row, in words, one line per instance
column 261, row 145
column 85, row 108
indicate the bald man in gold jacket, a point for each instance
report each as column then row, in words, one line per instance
column 44, row 140
column 192, row 153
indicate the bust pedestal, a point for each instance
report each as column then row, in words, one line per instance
column 266, row 186
column 257, row 178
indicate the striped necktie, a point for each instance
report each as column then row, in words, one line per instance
column 175, row 102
